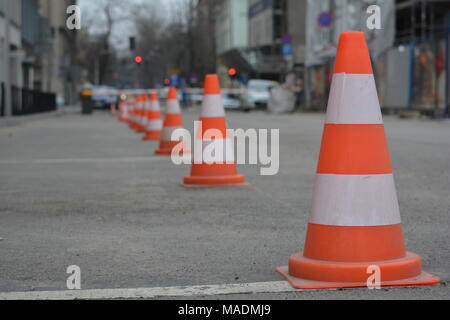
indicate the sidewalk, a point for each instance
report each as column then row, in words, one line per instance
column 18, row 120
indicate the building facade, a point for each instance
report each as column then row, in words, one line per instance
column 410, row 53
column 11, row 53
column 268, row 27
column 37, row 62
column 261, row 38
column 60, row 60
column 231, row 36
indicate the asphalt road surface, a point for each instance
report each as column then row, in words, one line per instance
column 84, row 190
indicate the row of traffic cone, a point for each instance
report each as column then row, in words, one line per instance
column 143, row 115
column 355, row 221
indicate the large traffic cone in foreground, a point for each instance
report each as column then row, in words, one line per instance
column 208, row 172
column 355, row 221
column 154, row 120
column 173, row 121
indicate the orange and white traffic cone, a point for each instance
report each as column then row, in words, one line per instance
column 132, row 114
column 123, row 111
column 210, row 172
column 136, row 114
column 154, row 121
column 141, row 114
column 112, row 109
column 354, row 226
column 173, row 121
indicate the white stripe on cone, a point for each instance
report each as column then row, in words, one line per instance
column 155, row 125
column 143, row 120
column 354, row 200
column 148, row 104
column 173, row 107
column 353, row 100
column 212, row 106
column 154, row 106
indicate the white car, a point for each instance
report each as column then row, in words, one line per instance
column 196, row 97
column 228, row 101
column 103, row 96
column 256, row 94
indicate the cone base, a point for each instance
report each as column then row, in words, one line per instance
column 152, row 136
column 212, row 181
column 320, row 274
column 168, row 152
column 163, row 152
column 137, row 129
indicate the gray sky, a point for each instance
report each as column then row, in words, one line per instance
column 124, row 29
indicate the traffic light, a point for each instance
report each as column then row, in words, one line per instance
column 132, row 43
column 138, row 59
column 232, row 72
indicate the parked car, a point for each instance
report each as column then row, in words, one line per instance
column 256, row 94
column 103, row 97
column 195, row 97
column 229, row 102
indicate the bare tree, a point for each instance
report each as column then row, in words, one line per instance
column 182, row 40
column 150, row 27
column 97, row 54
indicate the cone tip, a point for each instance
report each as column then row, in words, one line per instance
column 352, row 54
column 153, row 96
column 212, row 84
column 172, row 94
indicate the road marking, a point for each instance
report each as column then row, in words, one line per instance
column 82, row 160
column 157, row 292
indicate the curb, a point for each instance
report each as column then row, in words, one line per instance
column 18, row 120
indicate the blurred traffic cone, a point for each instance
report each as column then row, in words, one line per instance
column 123, row 111
column 112, row 109
column 209, row 172
column 141, row 113
column 354, row 226
column 173, row 121
column 154, row 121
column 135, row 114
column 132, row 114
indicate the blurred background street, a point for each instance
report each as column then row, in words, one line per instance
column 255, row 46
column 86, row 191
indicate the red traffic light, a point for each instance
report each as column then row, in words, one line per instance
column 138, row 59
column 232, row 71
column 166, row 81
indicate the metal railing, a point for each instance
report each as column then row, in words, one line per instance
column 26, row 101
